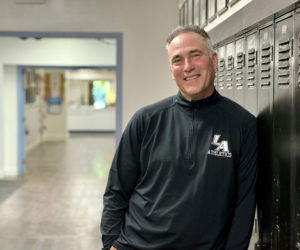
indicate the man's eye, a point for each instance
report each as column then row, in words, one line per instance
column 177, row 61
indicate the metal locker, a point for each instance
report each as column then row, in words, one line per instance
column 221, row 6
column 250, row 90
column 230, row 71
column 216, row 79
column 196, row 12
column 297, row 126
column 203, row 13
column 283, row 125
column 191, row 12
column 221, row 70
column 211, row 10
column 239, row 71
column 268, row 177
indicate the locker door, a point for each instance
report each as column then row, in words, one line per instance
column 268, row 179
column 203, row 13
column 230, row 71
column 296, row 118
column 283, row 125
column 221, row 70
column 250, row 93
column 216, row 78
column 297, row 127
column 239, row 71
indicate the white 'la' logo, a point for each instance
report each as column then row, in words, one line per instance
column 223, row 145
column 221, row 149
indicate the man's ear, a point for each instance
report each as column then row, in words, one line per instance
column 170, row 67
column 215, row 59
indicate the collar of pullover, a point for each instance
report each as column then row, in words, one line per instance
column 198, row 104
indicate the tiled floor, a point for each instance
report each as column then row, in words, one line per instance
column 57, row 204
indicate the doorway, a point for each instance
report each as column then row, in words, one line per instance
column 23, row 59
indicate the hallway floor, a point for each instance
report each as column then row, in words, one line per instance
column 57, row 204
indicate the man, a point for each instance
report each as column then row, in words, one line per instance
column 183, row 176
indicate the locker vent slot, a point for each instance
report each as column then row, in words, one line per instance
column 251, row 68
column 265, row 68
column 284, row 65
column 283, row 62
column 284, row 57
column 265, row 84
column 221, row 73
column 283, row 73
column 265, row 76
column 284, row 41
column 229, row 74
column 283, row 81
column 240, row 63
column 265, row 65
column 251, row 64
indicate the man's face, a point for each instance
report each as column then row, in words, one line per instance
column 192, row 67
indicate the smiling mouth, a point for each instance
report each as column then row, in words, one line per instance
column 189, row 78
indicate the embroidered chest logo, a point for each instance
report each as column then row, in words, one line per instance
column 220, row 148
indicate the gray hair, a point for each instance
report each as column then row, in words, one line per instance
column 191, row 28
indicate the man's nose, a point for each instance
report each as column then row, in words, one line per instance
column 188, row 65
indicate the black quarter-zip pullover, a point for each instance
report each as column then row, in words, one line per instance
column 183, row 177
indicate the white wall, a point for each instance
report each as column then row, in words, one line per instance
column 1, row 119
column 10, row 135
column 33, row 125
column 144, row 24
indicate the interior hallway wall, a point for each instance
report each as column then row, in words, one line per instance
column 144, row 24
column 50, row 52
column 10, row 135
column 1, row 124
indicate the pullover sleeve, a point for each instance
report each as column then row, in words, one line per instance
column 242, row 223
column 123, row 176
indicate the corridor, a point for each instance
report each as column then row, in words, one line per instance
column 57, row 204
